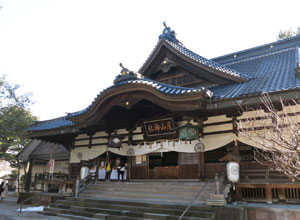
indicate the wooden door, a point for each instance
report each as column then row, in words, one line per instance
column 188, row 166
column 140, row 167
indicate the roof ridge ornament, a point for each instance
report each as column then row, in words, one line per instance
column 168, row 34
column 124, row 70
column 126, row 74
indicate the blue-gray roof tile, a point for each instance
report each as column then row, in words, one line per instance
column 270, row 72
column 268, row 69
column 214, row 65
column 51, row 124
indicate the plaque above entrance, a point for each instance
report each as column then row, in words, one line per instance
column 159, row 129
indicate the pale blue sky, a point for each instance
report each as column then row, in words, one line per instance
column 66, row 51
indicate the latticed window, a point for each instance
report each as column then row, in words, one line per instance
column 189, row 158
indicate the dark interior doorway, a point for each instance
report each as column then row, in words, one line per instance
column 163, row 165
column 165, row 159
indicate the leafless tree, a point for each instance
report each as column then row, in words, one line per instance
column 276, row 133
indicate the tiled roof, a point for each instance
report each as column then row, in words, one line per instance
column 51, row 124
column 161, row 87
column 168, row 35
column 209, row 63
column 269, row 71
column 268, row 68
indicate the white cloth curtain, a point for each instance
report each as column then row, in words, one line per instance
column 213, row 142
column 85, row 153
column 210, row 142
column 249, row 142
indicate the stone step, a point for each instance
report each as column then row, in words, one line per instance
column 92, row 213
column 179, row 192
column 145, row 188
column 64, row 204
column 127, row 202
column 146, row 192
column 137, row 201
column 174, row 199
column 132, row 190
column 153, row 190
column 76, row 217
column 97, row 216
column 150, row 185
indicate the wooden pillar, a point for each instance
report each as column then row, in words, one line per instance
column 129, row 166
column 97, row 168
column 201, row 166
column 201, row 163
column 107, row 155
column 147, row 158
column 238, row 192
column 28, row 175
column 268, row 193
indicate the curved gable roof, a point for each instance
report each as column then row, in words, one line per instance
column 166, row 90
column 212, row 67
column 174, row 92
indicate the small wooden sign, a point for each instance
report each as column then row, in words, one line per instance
column 159, row 129
column 51, row 166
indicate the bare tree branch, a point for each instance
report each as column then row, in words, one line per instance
column 276, row 135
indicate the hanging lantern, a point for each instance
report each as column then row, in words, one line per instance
column 188, row 132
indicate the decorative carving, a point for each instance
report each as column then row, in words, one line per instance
column 124, row 70
column 168, row 34
column 167, row 64
column 199, row 147
column 127, row 75
column 115, row 141
column 130, row 152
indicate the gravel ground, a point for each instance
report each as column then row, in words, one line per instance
column 9, row 206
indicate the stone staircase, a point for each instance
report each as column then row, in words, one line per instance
column 87, row 209
column 137, row 200
column 156, row 191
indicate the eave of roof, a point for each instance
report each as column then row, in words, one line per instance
column 51, row 124
column 166, row 89
column 163, row 88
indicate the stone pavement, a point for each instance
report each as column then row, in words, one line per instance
column 9, row 206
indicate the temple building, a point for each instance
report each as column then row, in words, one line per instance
column 177, row 117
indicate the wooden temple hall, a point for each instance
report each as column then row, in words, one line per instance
column 177, row 118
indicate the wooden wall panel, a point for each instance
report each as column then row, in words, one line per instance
column 139, row 172
column 188, row 171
